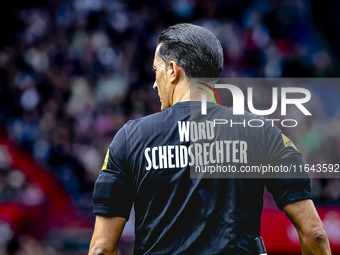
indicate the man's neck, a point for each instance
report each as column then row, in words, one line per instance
column 187, row 93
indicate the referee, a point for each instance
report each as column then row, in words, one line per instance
column 148, row 165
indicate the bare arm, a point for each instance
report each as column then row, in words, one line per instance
column 106, row 235
column 312, row 235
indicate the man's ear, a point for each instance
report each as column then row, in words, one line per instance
column 173, row 71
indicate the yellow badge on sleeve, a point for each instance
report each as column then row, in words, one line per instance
column 287, row 142
column 106, row 159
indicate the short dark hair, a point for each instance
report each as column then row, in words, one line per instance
column 197, row 51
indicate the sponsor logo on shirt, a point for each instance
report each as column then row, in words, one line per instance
column 106, row 159
column 287, row 142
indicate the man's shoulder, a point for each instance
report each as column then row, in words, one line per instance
column 144, row 122
column 134, row 131
column 229, row 110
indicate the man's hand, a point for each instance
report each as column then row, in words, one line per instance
column 106, row 235
column 312, row 235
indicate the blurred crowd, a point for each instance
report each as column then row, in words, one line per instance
column 73, row 72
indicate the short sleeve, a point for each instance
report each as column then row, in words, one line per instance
column 113, row 190
column 286, row 187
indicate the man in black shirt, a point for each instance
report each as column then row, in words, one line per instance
column 150, row 161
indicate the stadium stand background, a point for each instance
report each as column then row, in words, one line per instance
column 72, row 73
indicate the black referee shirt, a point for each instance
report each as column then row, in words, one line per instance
column 148, row 165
